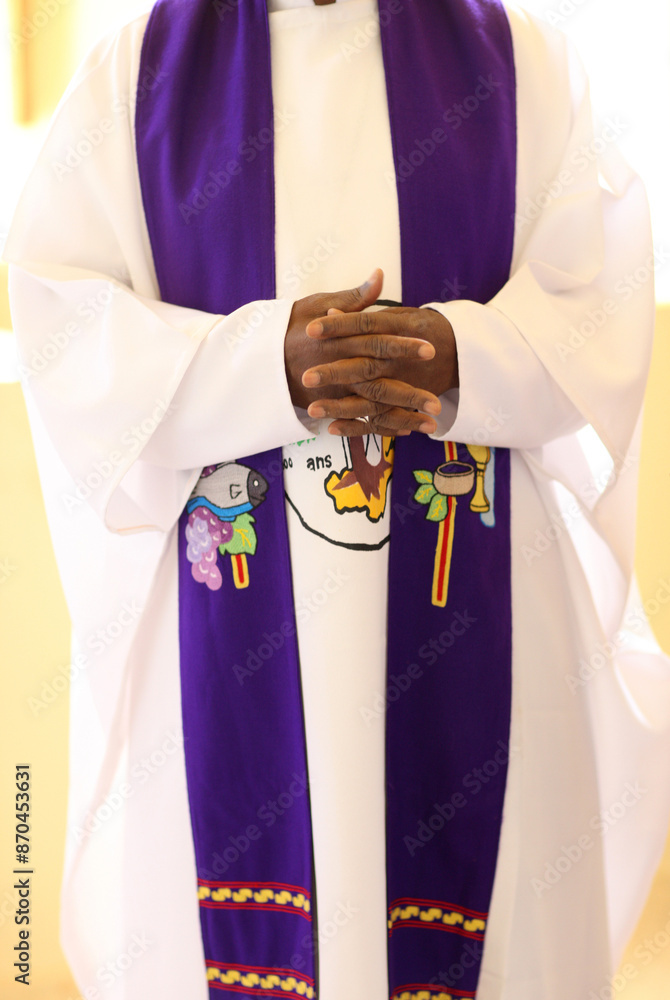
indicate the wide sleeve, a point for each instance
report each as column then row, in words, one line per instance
column 566, row 343
column 136, row 394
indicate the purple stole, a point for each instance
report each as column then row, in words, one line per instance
column 449, row 599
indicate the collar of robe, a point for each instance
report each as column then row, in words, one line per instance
column 449, row 589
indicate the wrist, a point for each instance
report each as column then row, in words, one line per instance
column 446, row 356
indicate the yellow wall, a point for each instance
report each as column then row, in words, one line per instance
column 43, row 57
column 645, row 970
column 653, row 548
column 34, row 628
column 5, row 321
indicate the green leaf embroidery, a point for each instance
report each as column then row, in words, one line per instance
column 438, row 508
column 244, row 539
column 422, row 476
column 425, row 494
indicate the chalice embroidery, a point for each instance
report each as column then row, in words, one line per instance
column 440, row 490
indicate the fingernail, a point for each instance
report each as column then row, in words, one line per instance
column 371, row 279
column 316, row 411
column 426, row 351
column 428, row 427
column 433, row 407
column 311, row 379
column 314, row 329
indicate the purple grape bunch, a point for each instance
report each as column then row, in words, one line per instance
column 204, row 533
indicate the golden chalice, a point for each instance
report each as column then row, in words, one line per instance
column 482, row 457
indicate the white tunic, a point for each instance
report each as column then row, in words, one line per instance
column 129, row 397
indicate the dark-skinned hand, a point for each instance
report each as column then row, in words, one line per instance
column 376, row 372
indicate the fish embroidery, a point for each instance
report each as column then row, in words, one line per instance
column 220, row 522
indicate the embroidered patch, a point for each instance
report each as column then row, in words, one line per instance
column 439, row 491
column 339, row 488
column 255, row 896
column 220, row 522
column 363, row 484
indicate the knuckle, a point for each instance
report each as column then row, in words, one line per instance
column 377, row 345
column 370, row 369
column 365, row 322
column 376, row 390
column 379, row 408
column 346, row 300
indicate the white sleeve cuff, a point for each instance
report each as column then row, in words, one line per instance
column 506, row 397
column 233, row 400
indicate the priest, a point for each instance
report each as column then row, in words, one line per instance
column 387, row 722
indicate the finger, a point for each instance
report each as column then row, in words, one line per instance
column 359, row 428
column 392, row 392
column 348, row 371
column 364, row 295
column 366, row 377
column 382, row 347
column 348, row 407
column 395, row 321
column 394, row 421
column 357, row 406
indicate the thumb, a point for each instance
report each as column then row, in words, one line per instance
column 357, row 299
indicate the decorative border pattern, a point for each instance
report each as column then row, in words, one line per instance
column 275, row 896
column 441, row 916
column 259, row 980
column 424, row 991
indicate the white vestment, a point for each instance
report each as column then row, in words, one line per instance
column 129, row 397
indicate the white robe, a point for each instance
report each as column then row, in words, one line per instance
column 135, row 395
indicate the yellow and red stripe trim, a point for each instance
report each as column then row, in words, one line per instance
column 437, row 915
column 428, row 991
column 259, row 980
column 273, row 896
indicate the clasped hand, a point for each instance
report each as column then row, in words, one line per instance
column 376, row 372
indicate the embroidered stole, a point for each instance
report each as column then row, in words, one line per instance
column 449, row 590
